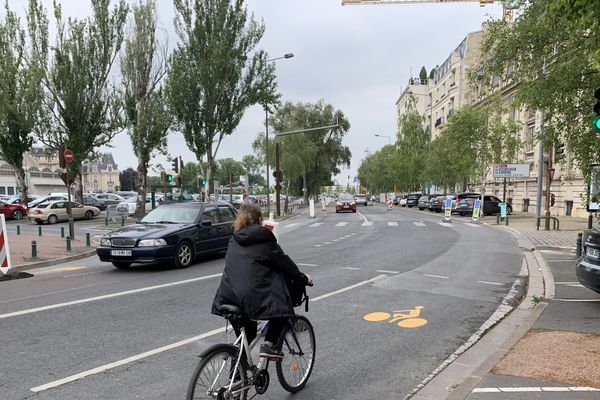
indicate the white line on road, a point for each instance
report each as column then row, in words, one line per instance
column 291, row 225
column 352, row 268
column 387, row 271
column 491, row 283
column 578, row 300
column 317, row 245
column 307, row 265
column 103, row 297
column 362, row 216
column 341, row 224
column 326, row 242
column 392, row 223
column 535, row 389
column 472, row 225
column 367, row 223
column 316, row 224
column 437, row 276
column 171, row 346
column 418, row 223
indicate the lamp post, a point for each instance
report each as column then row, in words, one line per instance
column 388, row 138
column 287, row 55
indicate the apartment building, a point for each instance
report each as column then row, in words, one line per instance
column 417, row 91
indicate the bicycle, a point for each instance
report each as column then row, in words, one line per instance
column 227, row 372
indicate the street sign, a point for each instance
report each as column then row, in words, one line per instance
column 69, row 157
column 476, row 209
column 511, row 170
column 71, row 177
column 448, row 209
column 429, row 185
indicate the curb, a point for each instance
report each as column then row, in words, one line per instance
column 460, row 373
column 53, row 261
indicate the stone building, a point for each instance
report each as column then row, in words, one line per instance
column 101, row 175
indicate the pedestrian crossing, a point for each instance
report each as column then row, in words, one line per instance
column 389, row 224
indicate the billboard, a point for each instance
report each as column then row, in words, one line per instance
column 511, row 170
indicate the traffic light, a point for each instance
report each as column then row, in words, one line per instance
column 597, row 110
column 175, row 164
column 169, row 178
column 203, row 181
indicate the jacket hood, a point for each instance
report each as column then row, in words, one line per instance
column 253, row 234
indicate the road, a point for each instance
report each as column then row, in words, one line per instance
column 89, row 331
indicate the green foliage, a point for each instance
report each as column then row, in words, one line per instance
column 378, row 171
column 254, row 168
column 566, row 34
column 432, row 73
column 423, row 74
column 216, row 72
column 411, row 151
column 228, row 168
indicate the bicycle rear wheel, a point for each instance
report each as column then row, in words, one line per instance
column 299, row 348
column 212, row 376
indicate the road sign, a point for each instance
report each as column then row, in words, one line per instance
column 448, row 209
column 476, row 209
column 71, row 177
column 429, row 185
column 69, row 157
column 511, row 170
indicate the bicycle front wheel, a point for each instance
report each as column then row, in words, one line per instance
column 299, row 347
column 212, row 376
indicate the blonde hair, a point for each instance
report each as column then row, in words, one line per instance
column 249, row 214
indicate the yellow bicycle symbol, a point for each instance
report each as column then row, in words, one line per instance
column 404, row 318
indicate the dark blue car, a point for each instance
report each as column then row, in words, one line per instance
column 174, row 233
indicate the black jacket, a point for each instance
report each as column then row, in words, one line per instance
column 255, row 274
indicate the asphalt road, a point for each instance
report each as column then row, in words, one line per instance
column 71, row 331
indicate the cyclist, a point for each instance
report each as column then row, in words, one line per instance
column 256, row 279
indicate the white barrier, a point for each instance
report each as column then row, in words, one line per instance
column 272, row 225
column 311, row 206
column 5, row 263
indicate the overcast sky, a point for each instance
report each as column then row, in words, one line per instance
column 357, row 58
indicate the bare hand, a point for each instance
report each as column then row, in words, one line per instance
column 309, row 279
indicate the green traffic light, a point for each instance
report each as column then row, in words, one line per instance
column 597, row 123
column 170, row 178
column 203, row 182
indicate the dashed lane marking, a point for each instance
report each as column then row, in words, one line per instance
column 291, row 225
column 351, row 268
column 384, row 271
column 318, row 245
column 491, row 283
column 418, row 223
column 367, row 223
column 316, row 224
column 472, row 225
column 437, row 276
column 535, row 389
column 307, row 265
column 341, row 224
column 392, row 223
column 327, row 243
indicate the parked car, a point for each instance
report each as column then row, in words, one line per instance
column 127, row 193
column 402, row 202
column 345, row 202
column 129, row 205
column 175, row 233
column 91, row 200
column 491, row 206
column 588, row 266
column 456, row 199
column 55, row 211
column 361, row 199
column 13, row 211
column 412, row 199
column 423, row 202
column 110, row 198
column 18, row 199
column 46, row 200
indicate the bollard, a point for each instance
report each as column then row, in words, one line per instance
column 39, row 231
column 33, row 249
column 497, row 219
column 122, row 220
column 106, row 220
column 62, row 231
column 578, row 246
column 18, row 229
column 87, row 239
column 506, row 220
column 68, row 243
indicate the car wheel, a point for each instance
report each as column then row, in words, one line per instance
column 89, row 214
column 52, row 219
column 184, row 256
column 121, row 264
column 336, row 211
column 421, row 209
column 18, row 214
column 353, row 210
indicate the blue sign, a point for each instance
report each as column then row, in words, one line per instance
column 502, row 210
column 476, row 210
column 448, row 208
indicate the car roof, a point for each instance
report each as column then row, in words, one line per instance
column 196, row 204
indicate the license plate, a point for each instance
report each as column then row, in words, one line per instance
column 120, row 253
column 346, row 206
column 593, row 253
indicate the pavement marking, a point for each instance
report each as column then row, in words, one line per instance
column 61, row 269
column 364, row 218
column 535, row 389
column 307, row 265
column 83, row 273
column 171, row 346
column 367, row 223
column 316, row 224
column 491, row 283
column 351, row 268
column 472, row 225
column 318, row 245
column 341, row 224
column 387, row 271
column 326, row 242
column 291, row 225
column 103, row 297
column 578, row 300
column 418, row 223
column 555, row 252
column 392, row 223
column 437, row 276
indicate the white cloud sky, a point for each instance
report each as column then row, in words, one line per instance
column 356, row 58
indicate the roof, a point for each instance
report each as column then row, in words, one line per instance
column 102, row 163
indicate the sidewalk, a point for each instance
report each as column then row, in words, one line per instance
column 546, row 348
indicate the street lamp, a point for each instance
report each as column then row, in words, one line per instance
column 287, row 55
column 388, row 138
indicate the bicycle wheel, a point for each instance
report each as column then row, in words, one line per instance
column 212, row 376
column 299, row 347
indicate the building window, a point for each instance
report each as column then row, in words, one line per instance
column 2, row 190
column 530, row 136
column 11, row 190
column 95, row 168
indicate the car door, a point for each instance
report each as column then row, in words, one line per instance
column 5, row 209
column 60, row 210
column 228, row 216
column 491, row 205
column 77, row 210
column 209, row 231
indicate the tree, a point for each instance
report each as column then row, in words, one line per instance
column 412, row 150
column 423, row 74
column 227, row 169
column 143, row 66
column 432, row 73
column 564, row 33
column 81, row 108
column 309, row 160
column 254, row 169
column 377, row 171
column 216, row 73
column 20, row 88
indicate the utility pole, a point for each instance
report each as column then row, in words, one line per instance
column 540, row 167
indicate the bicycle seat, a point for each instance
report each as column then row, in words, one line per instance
column 231, row 312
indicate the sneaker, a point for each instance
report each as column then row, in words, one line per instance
column 270, row 352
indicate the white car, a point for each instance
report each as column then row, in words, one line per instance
column 129, row 205
column 403, row 202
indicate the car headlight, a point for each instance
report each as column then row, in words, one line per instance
column 152, row 243
column 105, row 242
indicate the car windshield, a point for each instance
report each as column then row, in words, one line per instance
column 345, row 197
column 175, row 215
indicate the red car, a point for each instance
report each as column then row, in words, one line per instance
column 345, row 202
column 14, row 211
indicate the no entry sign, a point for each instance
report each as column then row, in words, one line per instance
column 69, row 157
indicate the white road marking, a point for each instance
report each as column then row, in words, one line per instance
column 341, row 224
column 392, row 223
column 446, row 224
column 82, row 273
column 491, row 283
column 387, row 271
column 352, row 268
column 571, row 284
column 555, row 252
column 171, row 346
column 367, row 223
column 472, row 225
column 103, row 297
column 327, row 243
column 291, row 225
column 336, row 240
column 578, row 300
column 363, row 217
column 437, row 276
column 307, row 265
column 535, row 389
column 317, row 245
column 316, row 224
column 418, row 223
